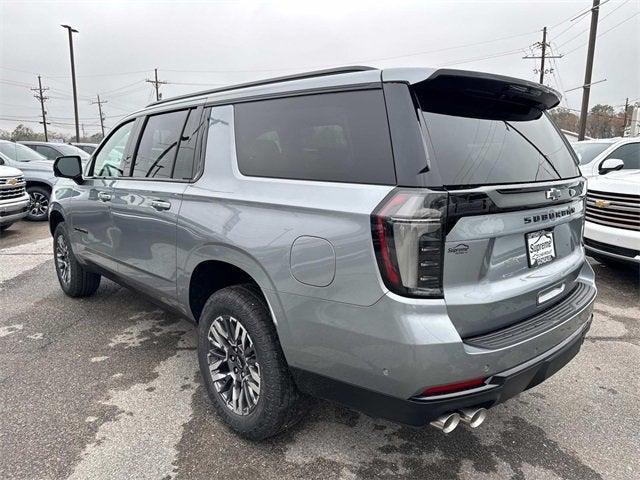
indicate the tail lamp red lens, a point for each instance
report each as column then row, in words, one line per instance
column 408, row 238
column 453, row 387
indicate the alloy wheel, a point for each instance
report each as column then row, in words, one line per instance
column 233, row 365
column 38, row 205
column 62, row 260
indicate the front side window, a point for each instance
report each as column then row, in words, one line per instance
column 629, row 154
column 588, row 151
column 332, row 137
column 109, row 160
column 158, row 145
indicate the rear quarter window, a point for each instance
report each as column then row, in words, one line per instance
column 333, row 137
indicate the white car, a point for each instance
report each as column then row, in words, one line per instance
column 612, row 227
column 591, row 153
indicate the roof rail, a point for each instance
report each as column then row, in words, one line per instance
column 267, row 81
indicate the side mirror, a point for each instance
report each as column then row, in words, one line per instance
column 69, row 166
column 610, row 165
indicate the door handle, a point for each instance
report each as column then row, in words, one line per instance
column 160, row 204
column 104, row 196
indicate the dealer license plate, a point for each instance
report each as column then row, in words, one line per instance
column 540, row 247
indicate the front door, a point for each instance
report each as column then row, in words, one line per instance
column 93, row 237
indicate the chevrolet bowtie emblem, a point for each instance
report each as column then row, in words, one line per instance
column 602, row 203
column 12, row 181
column 553, row 194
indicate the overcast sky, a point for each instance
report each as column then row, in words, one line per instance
column 197, row 44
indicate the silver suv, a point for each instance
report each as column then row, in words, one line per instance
column 407, row 242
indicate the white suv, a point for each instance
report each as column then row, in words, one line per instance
column 612, row 227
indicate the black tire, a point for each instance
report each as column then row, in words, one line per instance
column 79, row 282
column 39, row 203
column 279, row 403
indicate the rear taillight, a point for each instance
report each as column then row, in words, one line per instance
column 408, row 238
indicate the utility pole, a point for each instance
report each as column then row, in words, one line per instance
column 40, row 96
column 626, row 107
column 544, row 50
column 156, row 84
column 543, row 46
column 586, row 89
column 100, row 102
column 71, row 31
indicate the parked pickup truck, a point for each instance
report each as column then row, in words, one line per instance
column 14, row 200
column 612, row 228
column 38, row 173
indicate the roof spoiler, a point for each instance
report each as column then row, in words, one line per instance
column 484, row 95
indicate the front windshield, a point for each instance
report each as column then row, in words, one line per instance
column 72, row 150
column 19, row 153
column 588, row 151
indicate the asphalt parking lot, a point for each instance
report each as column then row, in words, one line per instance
column 108, row 387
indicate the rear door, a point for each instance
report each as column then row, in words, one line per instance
column 147, row 200
column 515, row 198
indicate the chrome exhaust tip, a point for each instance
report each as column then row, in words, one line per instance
column 473, row 416
column 447, row 422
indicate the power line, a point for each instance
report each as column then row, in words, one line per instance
column 586, row 29
column 487, row 57
column 105, row 92
column 605, row 32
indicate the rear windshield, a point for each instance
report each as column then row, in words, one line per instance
column 588, row 151
column 332, row 137
column 72, row 150
column 476, row 151
column 19, row 153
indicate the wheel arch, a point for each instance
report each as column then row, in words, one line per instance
column 56, row 217
column 212, row 267
column 39, row 183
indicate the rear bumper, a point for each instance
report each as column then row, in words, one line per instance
column 398, row 346
column 420, row 411
column 13, row 210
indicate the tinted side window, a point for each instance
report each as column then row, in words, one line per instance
column 629, row 154
column 48, row 152
column 335, row 137
column 183, row 168
column 158, row 145
column 109, row 159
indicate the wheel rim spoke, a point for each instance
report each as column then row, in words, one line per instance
column 63, row 266
column 38, row 204
column 233, row 365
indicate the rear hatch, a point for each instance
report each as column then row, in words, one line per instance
column 506, row 189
